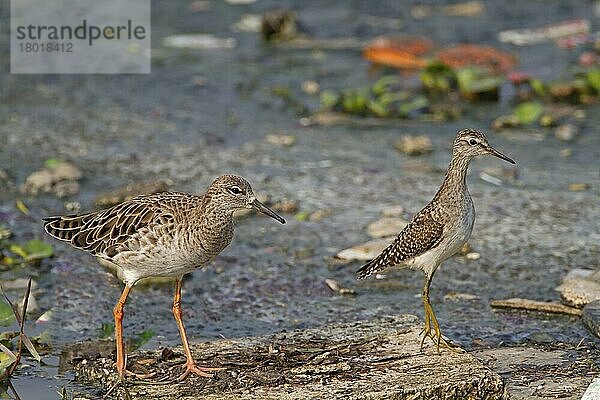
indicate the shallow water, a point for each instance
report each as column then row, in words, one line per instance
column 125, row 128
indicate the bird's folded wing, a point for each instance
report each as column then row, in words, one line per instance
column 421, row 234
column 101, row 233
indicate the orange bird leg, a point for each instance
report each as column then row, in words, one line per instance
column 118, row 313
column 190, row 365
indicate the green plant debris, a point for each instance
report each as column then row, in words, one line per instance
column 52, row 163
column 528, row 113
column 7, row 317
column 476, row 82
column 32, row 250
column 438, row 77
column 593, row 79
column 107, row 330
column 141, row 339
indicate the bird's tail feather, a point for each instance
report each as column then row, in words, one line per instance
column 378, row 264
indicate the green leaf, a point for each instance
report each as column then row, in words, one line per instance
column 383, row 84
column 418, row 103
column 538, row 87
column 378, row 109
column 52, row 162
column 31, row 348
column 473, row 80
column 6, row 361
column 37, row 249
column 593, row 79
column 528, row 113
column 141, row 339
column 108, row 330
column 7, row 317
column 18, row 250
column 329, row 99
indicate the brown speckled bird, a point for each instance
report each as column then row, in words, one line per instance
column 440, row 229
column 160, row 235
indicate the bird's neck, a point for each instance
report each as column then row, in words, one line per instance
column 214, row 216
column 456, row 176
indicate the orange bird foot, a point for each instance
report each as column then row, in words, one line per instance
column 204, row 372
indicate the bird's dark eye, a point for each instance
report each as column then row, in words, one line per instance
column 472, row 142
column 235, row 190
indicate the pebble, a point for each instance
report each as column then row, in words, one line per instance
column 566, row 132
column 60, row 179
column 414, row 145
column 591, row 317
column 366, row 251
column 564, row 153
column 336, row 287
column 385, row 227
column 473, row 256
column 458, row 296
column 198, row 41
column 249, row 23
column 541, row 337
column 580, row 287
column 392, row 211
column 281, row 140
column 578, row 187
column 311, row 87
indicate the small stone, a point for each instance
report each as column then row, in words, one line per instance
column 286, row 207
column 541, row 337
column 366, row 251
column 580, row 287
column 38, row 181
column 281, row 140
column 336, row 287
column 473, row 256
column 66, row 171
column 504, row 174
column 458, row 296
column 564, row 153
column 65, row 188
column 385, row 227
column 249, row 23
column 239, row 2
column 311, row 87
column 199, row 80
column 319, row 215
column 72, row 206
column 578, row 187
column 591, row 317
column 566, row 132
column 392, row 211
column 414, row 145
column 465, row 249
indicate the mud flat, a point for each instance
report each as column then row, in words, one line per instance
column 373, row 359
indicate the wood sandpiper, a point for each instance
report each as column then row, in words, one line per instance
column 440, row 229
column 160, row 235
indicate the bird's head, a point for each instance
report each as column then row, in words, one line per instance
column 471, row 143
column 233, row 192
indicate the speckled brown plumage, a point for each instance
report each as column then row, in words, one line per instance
column 441, row 228
column 166, row 234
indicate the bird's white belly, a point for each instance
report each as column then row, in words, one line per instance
column 158, row 262
column 453, row 241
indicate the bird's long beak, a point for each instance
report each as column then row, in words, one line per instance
column 258, row 206
column 496, row 153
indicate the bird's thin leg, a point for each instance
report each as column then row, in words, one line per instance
column 190, row 365
column 426, row 332
column 118, row 314
column 431, row 321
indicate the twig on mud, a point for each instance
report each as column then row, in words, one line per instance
column 23, row 339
